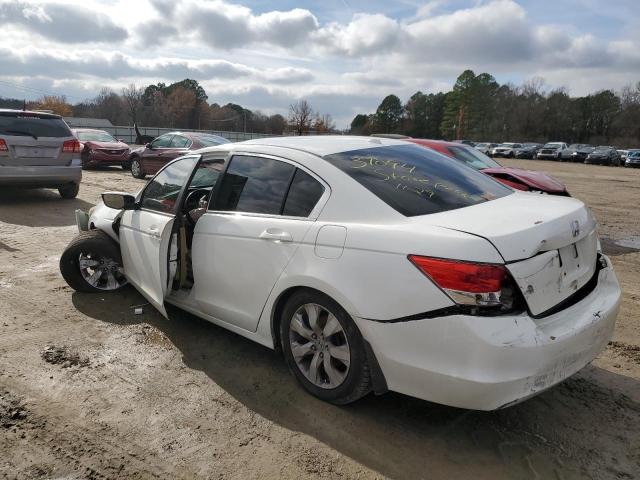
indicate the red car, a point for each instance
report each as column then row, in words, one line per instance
column 98, row 148
column 153, row 156
column 518, row 178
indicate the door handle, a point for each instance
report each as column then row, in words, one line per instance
column 154, row 232
column 276, row 235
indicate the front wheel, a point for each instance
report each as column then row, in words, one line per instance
column 136, row 168
column 324, row 349
column 69, row 190
column 92, row 263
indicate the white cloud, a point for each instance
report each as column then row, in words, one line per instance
column 61, row 22
column 271, row 57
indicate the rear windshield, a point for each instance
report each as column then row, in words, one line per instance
column 95, row 136
column 32, row 125
column 417, row 181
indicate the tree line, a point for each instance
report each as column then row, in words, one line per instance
column 180, row 105
column 479, row 108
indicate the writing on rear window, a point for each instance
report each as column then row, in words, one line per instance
column 415, row 180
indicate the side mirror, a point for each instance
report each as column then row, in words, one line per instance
column 119, row 200
column 149, row 146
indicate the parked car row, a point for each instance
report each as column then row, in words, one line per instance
column 38, row 149
column 560, row 151
column 99, row 148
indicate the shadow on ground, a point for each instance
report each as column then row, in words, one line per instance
column 39, row 207
column 587, row 427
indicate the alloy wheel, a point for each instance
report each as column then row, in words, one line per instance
column 136, row 168
column 102, row 273
column 319, row 346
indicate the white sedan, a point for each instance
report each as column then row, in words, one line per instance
column 374, row 264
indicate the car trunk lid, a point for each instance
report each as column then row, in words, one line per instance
column 549, row 243
column 28, row 151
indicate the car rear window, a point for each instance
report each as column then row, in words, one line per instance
column 255, row 185
column 304, row 193
column 417, row 181
column 32, row 125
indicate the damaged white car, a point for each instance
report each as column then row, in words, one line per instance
column 373, row 264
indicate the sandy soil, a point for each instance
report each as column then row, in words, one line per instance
column 90, row 390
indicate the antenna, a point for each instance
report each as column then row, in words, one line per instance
column 24, row 105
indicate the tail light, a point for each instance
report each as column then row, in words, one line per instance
column 71, row 146
column 467, row 283
column 3, row 145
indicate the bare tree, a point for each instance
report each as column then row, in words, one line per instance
column 300, row 116
column 132, row 97
column 324, row 123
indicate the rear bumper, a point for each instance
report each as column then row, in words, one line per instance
column 45, row 176
column 484, row 363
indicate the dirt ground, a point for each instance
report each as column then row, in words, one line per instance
column 90, row 390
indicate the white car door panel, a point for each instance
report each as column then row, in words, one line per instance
column 237, row 261
column 144, row 240
column 145, row 233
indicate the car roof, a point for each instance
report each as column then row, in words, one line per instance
column 88, row 130
column 30, row 112
column 322, row 145
column 443, row 143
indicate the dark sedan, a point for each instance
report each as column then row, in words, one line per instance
column 99, row 148
column 569, row 154
column 528, row 150
column 604, row 155
column 153, row 156
column 580, row 154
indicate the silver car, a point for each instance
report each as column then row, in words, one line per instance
column 38, row 150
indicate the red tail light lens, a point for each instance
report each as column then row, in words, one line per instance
column 71, row 146
column 465, row 282
column 3, row 145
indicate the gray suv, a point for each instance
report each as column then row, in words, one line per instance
column 38, row 150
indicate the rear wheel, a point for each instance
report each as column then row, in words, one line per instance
column 136, row 168
column 69, row 190
column 92, row 263
column 323, row 348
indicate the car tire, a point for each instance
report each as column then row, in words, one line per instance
column 327, row 351
column 136, row 168
column 69, row 191
column 76, row 263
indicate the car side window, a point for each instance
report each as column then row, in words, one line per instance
column 162, row 141
column 304, row 193
column 178, row 141
column 254, row 185
column 207, row 173
column 161, row 193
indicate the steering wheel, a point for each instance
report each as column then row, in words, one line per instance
column 192, row 202
column 194, row 197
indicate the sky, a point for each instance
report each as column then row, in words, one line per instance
column 343, row 56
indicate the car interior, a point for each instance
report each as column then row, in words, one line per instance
column 196, row 198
